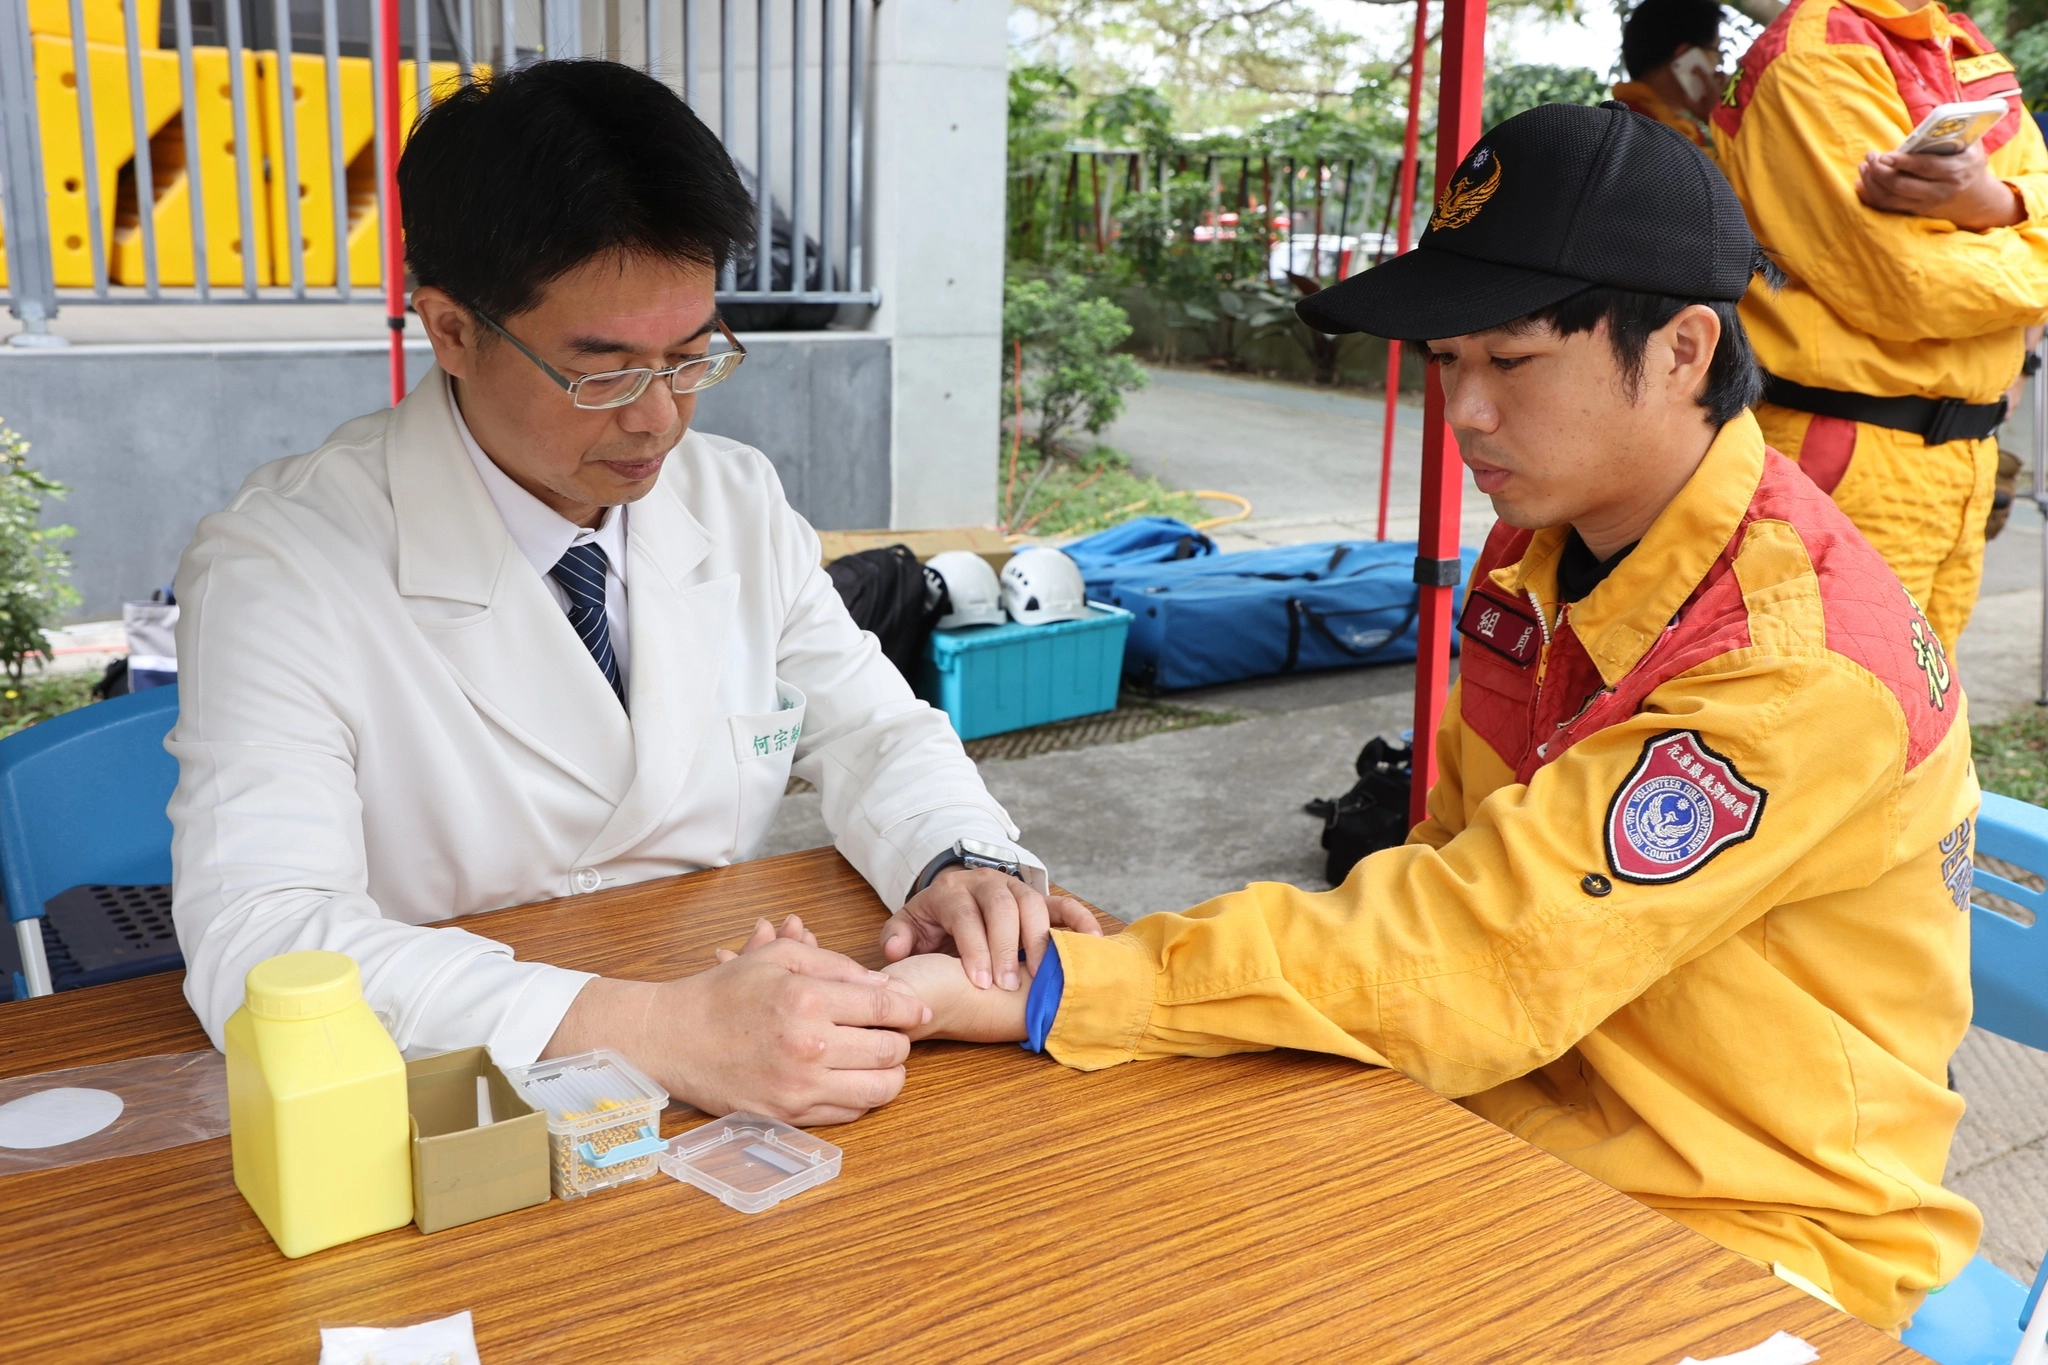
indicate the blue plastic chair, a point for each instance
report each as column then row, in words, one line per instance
column 82, row 800
column 1979, row 1317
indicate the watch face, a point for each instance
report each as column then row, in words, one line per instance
column 975, row 848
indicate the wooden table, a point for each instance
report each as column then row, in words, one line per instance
column 1269, row 1207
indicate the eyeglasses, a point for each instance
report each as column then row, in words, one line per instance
column 616, row 388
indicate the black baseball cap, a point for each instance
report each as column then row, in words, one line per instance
column 1548, row 203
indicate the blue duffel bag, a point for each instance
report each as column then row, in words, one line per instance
column 1257, row 613
column 1139, row 541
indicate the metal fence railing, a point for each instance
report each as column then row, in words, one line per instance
column 232, row 151
column 1314, row 216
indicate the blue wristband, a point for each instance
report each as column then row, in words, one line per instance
column 1042, row 1006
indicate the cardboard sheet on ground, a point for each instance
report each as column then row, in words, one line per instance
column 90, row 1113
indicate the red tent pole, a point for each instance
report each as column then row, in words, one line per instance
column 1462, row 74
column 1410, row 165
column 394, row 237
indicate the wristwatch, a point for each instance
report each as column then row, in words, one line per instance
column 970, row 853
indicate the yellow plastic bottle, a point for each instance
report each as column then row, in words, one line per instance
column 316, row 1105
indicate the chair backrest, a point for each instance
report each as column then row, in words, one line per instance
column 2009, row 960
column 82, row 800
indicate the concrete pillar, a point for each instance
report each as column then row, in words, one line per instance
column 935, row 248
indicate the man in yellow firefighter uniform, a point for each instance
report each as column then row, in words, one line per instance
column 1913, row 277
column 1689, row 909
column 1672, row 52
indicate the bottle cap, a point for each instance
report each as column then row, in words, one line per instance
column 302, row 985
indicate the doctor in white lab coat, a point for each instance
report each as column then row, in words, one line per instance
column 502, row 643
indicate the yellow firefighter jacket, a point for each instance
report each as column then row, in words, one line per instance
column 1689, row 909
column 1884, row 304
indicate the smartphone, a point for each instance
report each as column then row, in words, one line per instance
column 1696, row 72
column 1951, row 128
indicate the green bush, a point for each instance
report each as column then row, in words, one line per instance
column 33, row 593
column 28, row 700
column 1077, row 494
column 1512, row 89
column 1067, row 339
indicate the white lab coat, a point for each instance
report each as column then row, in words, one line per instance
column 385, row 719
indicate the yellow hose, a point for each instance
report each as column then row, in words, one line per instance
column 1244, row 508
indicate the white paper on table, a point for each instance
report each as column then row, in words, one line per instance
column 53, row 1117
column 1782, row 1349
column 444, row 1341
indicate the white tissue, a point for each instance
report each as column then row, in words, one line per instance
column 1782, row 1349
column 53, row 1117
column 444, row 1341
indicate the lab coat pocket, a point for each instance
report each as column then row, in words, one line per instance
column 763, row 747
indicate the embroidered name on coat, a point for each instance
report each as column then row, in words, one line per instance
column 1503, row 627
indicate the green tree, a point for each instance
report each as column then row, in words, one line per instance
column 1039, row 122
column 1135, row 117
column 1067, row 339
column 33, row 593
column 1512, row 89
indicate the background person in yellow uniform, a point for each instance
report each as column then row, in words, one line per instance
column 1913, row 277
column 1672, row 52
column 1689, row 907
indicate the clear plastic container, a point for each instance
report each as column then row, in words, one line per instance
column 604, row 1119
column 751, row 1163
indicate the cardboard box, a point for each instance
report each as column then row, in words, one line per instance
column 985, row 541
column 461, row 1172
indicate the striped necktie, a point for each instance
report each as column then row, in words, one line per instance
column 581, row 574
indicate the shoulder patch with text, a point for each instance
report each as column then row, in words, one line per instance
column 1681, row 805
column 1502, row 627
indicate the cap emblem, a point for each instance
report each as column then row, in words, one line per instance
column 1468, row 192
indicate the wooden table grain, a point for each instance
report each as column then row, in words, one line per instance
column 1260, row 1208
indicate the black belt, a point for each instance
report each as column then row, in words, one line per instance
column 1936, row 421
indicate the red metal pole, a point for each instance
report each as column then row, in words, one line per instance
column 1462, row 68
column 1410, row 165
column 394, row 236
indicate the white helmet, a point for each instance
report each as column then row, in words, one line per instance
column 962, row 585
column 1041, row 585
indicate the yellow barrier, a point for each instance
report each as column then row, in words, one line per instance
column 169, row 197
column 103, row 22
column 213, row 99
column 316, row 165
column 113, row 139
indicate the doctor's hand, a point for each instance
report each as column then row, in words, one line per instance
column 784, row 1028
column 959, row 1009
column 1960, row 188
column 984, row 915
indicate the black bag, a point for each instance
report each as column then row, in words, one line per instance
column 1371, row 816
column 884, row 591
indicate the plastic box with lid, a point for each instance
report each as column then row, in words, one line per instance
column 751, row 1162
column 604, row 1119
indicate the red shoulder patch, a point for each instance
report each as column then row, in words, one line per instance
column 1681, row 805
column 1924, row 71
column 1869, row 617
column 1741, row 87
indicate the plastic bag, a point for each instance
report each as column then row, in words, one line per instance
column 165, row 1101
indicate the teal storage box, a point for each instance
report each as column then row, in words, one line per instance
column 990, row 679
